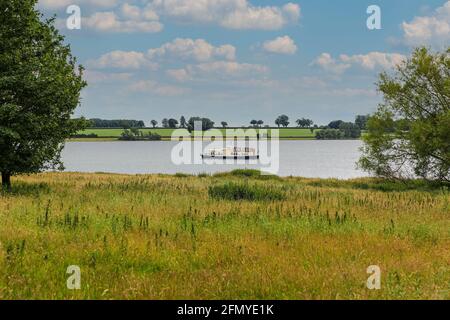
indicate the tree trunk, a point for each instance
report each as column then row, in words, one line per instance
column 6, row 180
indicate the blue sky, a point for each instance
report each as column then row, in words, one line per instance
column 238, row 60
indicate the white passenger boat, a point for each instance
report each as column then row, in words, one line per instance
column 232, row 153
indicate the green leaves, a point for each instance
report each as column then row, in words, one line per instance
column 40, row 85
column 410, row 132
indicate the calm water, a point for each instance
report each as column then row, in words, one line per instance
column 322, row 159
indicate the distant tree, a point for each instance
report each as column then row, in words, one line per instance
column 224, row 124
column 183, row 122
column 165, row 123
column 361, row 121
column 205, row 122
column 330, row 134
column 278, row 122
column 40, row 85
column 304, row 123
column 135, row 134
column 260, row 123
column 254, row 123
column 154, row 123
column 121, row 123
column 173, row 123
column 282, row 120
column 335, row 124
column 351, row 130
column 409, row 135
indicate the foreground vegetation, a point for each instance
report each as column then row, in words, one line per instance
column 171, row 237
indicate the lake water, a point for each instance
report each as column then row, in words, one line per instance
column 321, row 159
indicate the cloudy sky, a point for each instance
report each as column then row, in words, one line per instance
column 238, row 60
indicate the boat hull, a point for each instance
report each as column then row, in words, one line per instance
column 205, row 156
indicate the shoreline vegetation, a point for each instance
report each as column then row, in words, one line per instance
column 234, row 235
column 135, row 130
column 116, row 134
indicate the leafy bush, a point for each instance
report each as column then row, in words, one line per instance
column 78, row 136
column 246, row 173
column 330, row 134
column 203, row 175
column 245, row 191
column 137, row 135
column 346, row 130
column 182, row 175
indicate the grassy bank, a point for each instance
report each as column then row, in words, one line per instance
column 153, row 237
column 285, row 133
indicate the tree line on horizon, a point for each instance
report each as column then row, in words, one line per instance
column 281, row 121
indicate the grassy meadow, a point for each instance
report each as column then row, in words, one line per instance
column 166, row 133
column 228, row 236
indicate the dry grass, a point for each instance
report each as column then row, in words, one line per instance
column 163, row 237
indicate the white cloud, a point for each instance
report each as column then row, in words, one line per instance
column 229, row 68
column 429, row 30
column 198, row 51
column 59, row 4
column 189, row 49
column 150, row 86
column 292, row 11
column 132, row 20
column 122, row 60
column 283, row 45
column 370, row 61
column 327, row 63
column 232, row 14
column 178, row 74
column 222, row 70
column 373, row 60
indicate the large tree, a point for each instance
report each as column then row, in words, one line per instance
column 206, row 123
column 173, row 123
column 183, row 122
column 282, row 120
column 409, row 135
column 40, row 85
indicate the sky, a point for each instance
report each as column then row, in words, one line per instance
column 239, row 60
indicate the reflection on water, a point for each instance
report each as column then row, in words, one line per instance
column 322, row 159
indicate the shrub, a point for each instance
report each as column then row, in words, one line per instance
column 78, row 136
column 181, row 175
column 137, row 135
column 246, row 173
column 245, row 191
column 330, row 134
column 203, row 175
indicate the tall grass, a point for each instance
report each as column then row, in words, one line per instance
column 186, row 237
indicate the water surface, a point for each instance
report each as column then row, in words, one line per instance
column 321, row 159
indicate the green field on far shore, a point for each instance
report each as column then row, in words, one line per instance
column 167, row 133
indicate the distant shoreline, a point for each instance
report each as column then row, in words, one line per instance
column 113, row 134
column 165, row 139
